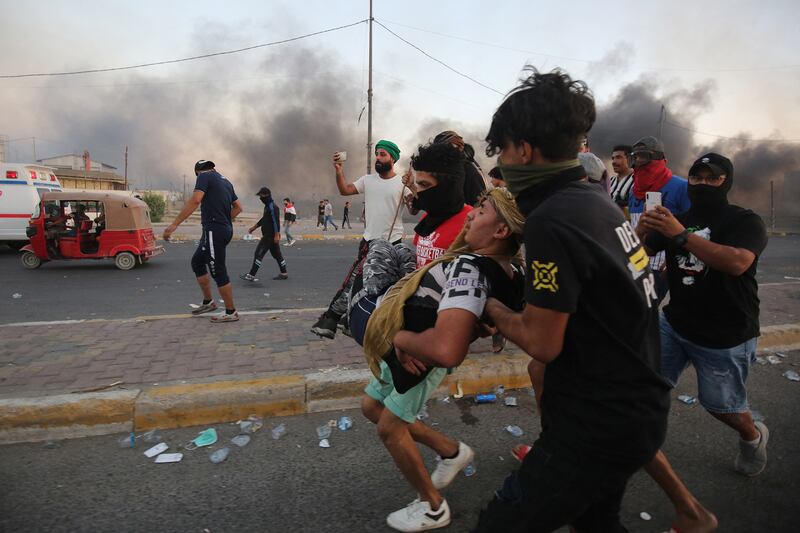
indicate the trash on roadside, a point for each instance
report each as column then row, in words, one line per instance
column 128, row 441
column 645, row 516
column 157, row 449
column 324, row 443
column 791, row 375
column 266, row 294
column 761, row 360
column 500, row 390
column 169, row 458
column 773, row 359
column 460, row 392
column 51, row 445
column 510, row 401
column 331, row 423
column 423, row 413
column 251, row 425
column 96, row 389
column 324, row 431
column 446, row 399
column 345, row 423
column 515, row 430
column 204, row 438
column 781, row 355
column 151, row 436
column 278, row 431
column 16, row 296
column 470, row 470
column 485, row 398
column 219, row 455
column 241, row 440
column 687, row 399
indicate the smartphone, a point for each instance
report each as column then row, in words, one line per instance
column 341, row 157
column 651, row 200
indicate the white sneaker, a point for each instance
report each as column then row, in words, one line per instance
column 448, row 469
column 417, row 516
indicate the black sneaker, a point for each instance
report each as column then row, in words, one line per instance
column 325, row 327
column 281, row 277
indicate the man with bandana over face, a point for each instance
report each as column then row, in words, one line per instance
column 711, row 321
column 383, row 194
column 270, row 237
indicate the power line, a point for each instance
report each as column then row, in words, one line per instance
column 193, row 58
column 579, row 60
column 426, row 54
column 742, row 139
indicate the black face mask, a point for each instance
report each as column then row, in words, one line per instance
column 265, row 199
column 708, row 196
column 440, row 203
column 382, row 168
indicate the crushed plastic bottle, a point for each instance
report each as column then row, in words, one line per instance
column 219, row 455
column 151, row 437
column 510, row 401
column 345, row 423
column 774, row 359
column 128, row 441
column 791, row 375
column 324, row 431
column 278, row 431
column 241, row 440
column 515, row 430
column 760, row 360
column 645, row 516
column 687, row 399
column 251, row 425
column 781, row 355
column 470, row 470
column 324, row 443
column 500, row 390
column 16, row 296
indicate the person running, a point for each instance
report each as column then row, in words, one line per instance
column 604, row 405
column 289, row 218
column 346, row 216
column 425, row 323
column 328, row 216
column 383, row 194
column 270, row 238
column 219, row 206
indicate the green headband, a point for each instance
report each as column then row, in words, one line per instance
column 390, row 147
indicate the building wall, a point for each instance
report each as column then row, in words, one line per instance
column 89, row 184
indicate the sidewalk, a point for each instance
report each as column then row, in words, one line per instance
column 180, row 370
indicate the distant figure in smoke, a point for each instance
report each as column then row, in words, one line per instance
column 219, row 205
column 328, row 216
column 622, row 180
column 289, row 218
column 346, row 216
column 270, row 237
column 473, row 180
column 321, row 213
column 383, row 195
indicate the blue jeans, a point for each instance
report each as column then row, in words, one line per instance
column 329, row 220
column 721, row 372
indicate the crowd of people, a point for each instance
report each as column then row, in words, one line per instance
column 571, row 265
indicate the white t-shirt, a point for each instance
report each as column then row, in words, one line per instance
column 381, row 197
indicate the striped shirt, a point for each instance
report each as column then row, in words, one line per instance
column 620, row 190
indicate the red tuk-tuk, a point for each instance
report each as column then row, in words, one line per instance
column 90, row 225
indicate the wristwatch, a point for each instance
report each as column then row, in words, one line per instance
column 679, row 240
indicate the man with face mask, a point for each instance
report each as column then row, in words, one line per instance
column 270, row 237
column 711, row 321
column 473, row 181
column 383, row 194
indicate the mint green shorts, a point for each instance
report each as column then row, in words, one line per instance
column 404, row 406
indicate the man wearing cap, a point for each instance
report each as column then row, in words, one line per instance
column 219, row 205
column 270, row 237
column 383, row 194
column 711, row 321
column 651, row 174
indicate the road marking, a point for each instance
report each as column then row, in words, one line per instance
column 778, row 283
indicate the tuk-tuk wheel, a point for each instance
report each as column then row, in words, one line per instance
column 30, row 260
column 125, row 260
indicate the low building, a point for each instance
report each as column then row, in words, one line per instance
column 80, row 172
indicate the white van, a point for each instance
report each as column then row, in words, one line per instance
column 21, row 187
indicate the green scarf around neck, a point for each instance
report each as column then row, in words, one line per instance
column 520, row 177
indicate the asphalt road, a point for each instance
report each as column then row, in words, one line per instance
column 85, row 289
column 294, row 485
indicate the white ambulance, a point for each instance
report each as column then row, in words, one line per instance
column 21, row 187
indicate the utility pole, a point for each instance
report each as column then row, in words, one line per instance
column 772, row 205
column 34, row 149
column 184, row 187
column 369, row 97
column 661, row 117
column 126, row 167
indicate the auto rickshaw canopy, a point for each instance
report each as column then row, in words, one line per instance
column 122, row 212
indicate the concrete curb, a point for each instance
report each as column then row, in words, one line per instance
column 212, row 402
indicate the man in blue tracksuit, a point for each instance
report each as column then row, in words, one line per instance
column 219, row 205
column 270, row 237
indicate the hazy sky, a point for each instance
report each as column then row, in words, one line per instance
column 243, row 109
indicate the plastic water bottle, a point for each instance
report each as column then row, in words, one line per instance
column 278, row 431
column 345, row 423
column 219, row 455
column 515, row 430
column 485, row 398
column 470, row 470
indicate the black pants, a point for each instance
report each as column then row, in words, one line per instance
column 553, row 489
column 267, row 243
column 210, row 253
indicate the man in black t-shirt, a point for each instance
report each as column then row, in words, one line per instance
column 604, row 406
column 711, row 321
column 270, row 224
